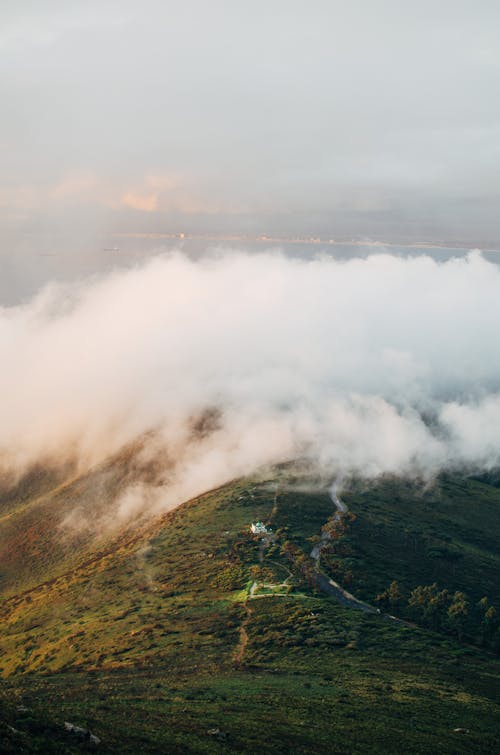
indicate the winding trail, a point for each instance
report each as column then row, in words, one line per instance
column 339, row 505
column 332, row 588
column 322, row 581
column 240, row 650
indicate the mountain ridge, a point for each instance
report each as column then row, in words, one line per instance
column 153, row 628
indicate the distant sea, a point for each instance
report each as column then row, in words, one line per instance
column 27, row 267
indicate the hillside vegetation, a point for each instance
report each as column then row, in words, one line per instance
column 186, row 633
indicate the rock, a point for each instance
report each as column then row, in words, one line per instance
column 459, row 730
column 75, row 729
column 82, row 733
column 216, row 733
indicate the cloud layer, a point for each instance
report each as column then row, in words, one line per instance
column 338, row 117
column 372, row 365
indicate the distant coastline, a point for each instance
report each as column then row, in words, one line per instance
column 316, row 240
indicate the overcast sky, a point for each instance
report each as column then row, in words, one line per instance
column 359, row 117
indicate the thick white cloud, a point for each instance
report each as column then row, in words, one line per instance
column 372, row 365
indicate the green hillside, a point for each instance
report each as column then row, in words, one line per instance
column 446, row 533
column 54, row 519
column 186, row 633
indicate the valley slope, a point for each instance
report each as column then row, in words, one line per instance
column 183, row 632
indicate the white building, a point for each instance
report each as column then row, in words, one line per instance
column 259, row 529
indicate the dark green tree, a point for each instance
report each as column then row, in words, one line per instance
column 458, row 614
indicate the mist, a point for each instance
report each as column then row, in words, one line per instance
column 222, row 365
column 334, row 118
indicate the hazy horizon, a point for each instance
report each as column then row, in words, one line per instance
column 258, row 123
column 350, row 120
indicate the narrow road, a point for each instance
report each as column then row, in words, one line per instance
column 322, row 581
column 339, row 505
column 334, row 590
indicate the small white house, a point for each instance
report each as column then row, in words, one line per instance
column 258, row 528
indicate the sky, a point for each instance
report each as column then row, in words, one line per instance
column 359, row 118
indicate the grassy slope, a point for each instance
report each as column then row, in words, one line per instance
column 140, row 643
column 36, row 546
column 446, row 534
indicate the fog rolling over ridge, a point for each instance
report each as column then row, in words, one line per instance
column 383, row 364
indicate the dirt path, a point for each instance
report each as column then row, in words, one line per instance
column 334, row 590
column 240, row 650
column 322, row 581
column 275, row 504
column 325, row 536
column 282, row 566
